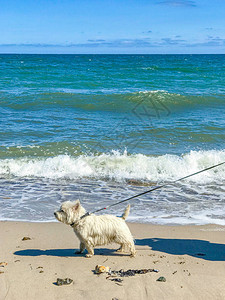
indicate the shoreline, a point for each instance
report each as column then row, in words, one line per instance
column 128, row 221
column 190, row 257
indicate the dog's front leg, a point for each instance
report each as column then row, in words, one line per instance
column 90, row 250
column 82, row 248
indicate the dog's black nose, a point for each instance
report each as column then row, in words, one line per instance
column 55, row 214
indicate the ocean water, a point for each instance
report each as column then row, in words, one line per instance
column 102, row 128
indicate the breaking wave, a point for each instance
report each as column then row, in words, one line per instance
column 119, row 166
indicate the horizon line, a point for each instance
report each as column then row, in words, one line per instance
column 20, row 53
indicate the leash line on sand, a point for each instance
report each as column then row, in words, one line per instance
column 151, row 190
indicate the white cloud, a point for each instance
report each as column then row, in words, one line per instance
column 178, row 2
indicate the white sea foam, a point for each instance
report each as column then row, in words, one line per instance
column 119, row 166
column 32, row 188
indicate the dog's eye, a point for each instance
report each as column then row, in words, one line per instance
column 61, row 210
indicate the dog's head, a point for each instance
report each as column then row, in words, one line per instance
column 69, row 212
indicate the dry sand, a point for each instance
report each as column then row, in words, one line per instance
column 191, row 258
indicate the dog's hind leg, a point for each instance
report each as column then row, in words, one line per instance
column 132, row 249
column 121, row 248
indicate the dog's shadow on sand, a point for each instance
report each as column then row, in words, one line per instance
column 65, row 252
column 195, row 248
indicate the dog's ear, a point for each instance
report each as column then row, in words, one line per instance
column 76, row 205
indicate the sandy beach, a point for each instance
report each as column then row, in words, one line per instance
column 190, row 258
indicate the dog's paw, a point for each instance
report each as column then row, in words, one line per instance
column 120, row 250
column 133, row 254
column 88, row 255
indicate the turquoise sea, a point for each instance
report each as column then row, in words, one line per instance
column 102, row 128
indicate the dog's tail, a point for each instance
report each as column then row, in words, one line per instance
column 126, row 212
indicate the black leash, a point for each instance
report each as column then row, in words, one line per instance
column 151, row 190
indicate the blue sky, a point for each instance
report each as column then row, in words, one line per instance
column 116, row 26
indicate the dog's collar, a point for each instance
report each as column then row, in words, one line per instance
column 85, row 215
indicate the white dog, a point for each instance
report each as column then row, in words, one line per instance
column 94, row 230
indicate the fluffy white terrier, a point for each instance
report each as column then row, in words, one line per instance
column 94, row 230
